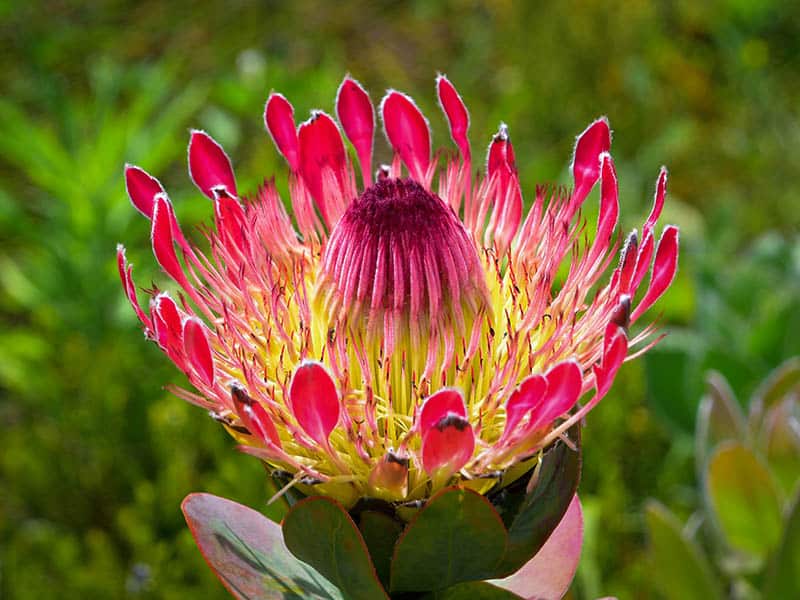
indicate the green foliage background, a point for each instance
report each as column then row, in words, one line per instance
column 95, row 456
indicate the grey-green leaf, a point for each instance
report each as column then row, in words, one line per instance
column 783, row 578
column 719, row 419
column 744, row 499
column 679, row 568
column 246, row 551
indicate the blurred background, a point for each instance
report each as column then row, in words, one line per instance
column 95, row 456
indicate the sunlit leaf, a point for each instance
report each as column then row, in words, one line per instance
column 319, row 531
column 246, row 551
column 456, row 537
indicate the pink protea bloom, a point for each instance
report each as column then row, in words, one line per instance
column 414, row 330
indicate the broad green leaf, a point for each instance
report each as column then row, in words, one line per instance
column 678, row 566
column 319, row 531
column 719, row 419
column 783, row 578
column 380, row 533
column 744, row 499
column 246, row 551
column 541, row 509
column 547, row 576
column 473, row 590
column 456, row 537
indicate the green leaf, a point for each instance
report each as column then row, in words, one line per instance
column 783, row 577
column 719, row 419
column 780, row 443
column 319, row 531
column 744, row 499
column 679, row 568
column 456, row 537
column 541, row 510
column 472, row 590
column 246, row 551
column 780, row 382
column 380, row 533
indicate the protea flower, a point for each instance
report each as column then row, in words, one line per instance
column 409, row 332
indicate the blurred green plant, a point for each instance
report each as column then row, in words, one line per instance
column 91, row 474
column 746, row 313
column 744, row 542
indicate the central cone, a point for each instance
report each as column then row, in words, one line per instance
column 400, row 259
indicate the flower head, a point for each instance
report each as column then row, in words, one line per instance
column 408, row 331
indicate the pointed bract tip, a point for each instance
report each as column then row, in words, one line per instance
column 502, row 133
column 209, row 165
column 141, row 188
column 408, row 132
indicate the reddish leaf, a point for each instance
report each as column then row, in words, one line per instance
column 547, row 576
column 279, row 119
column 314, row 401
column 408, row 132
column 246, row 551
column 209, row 166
